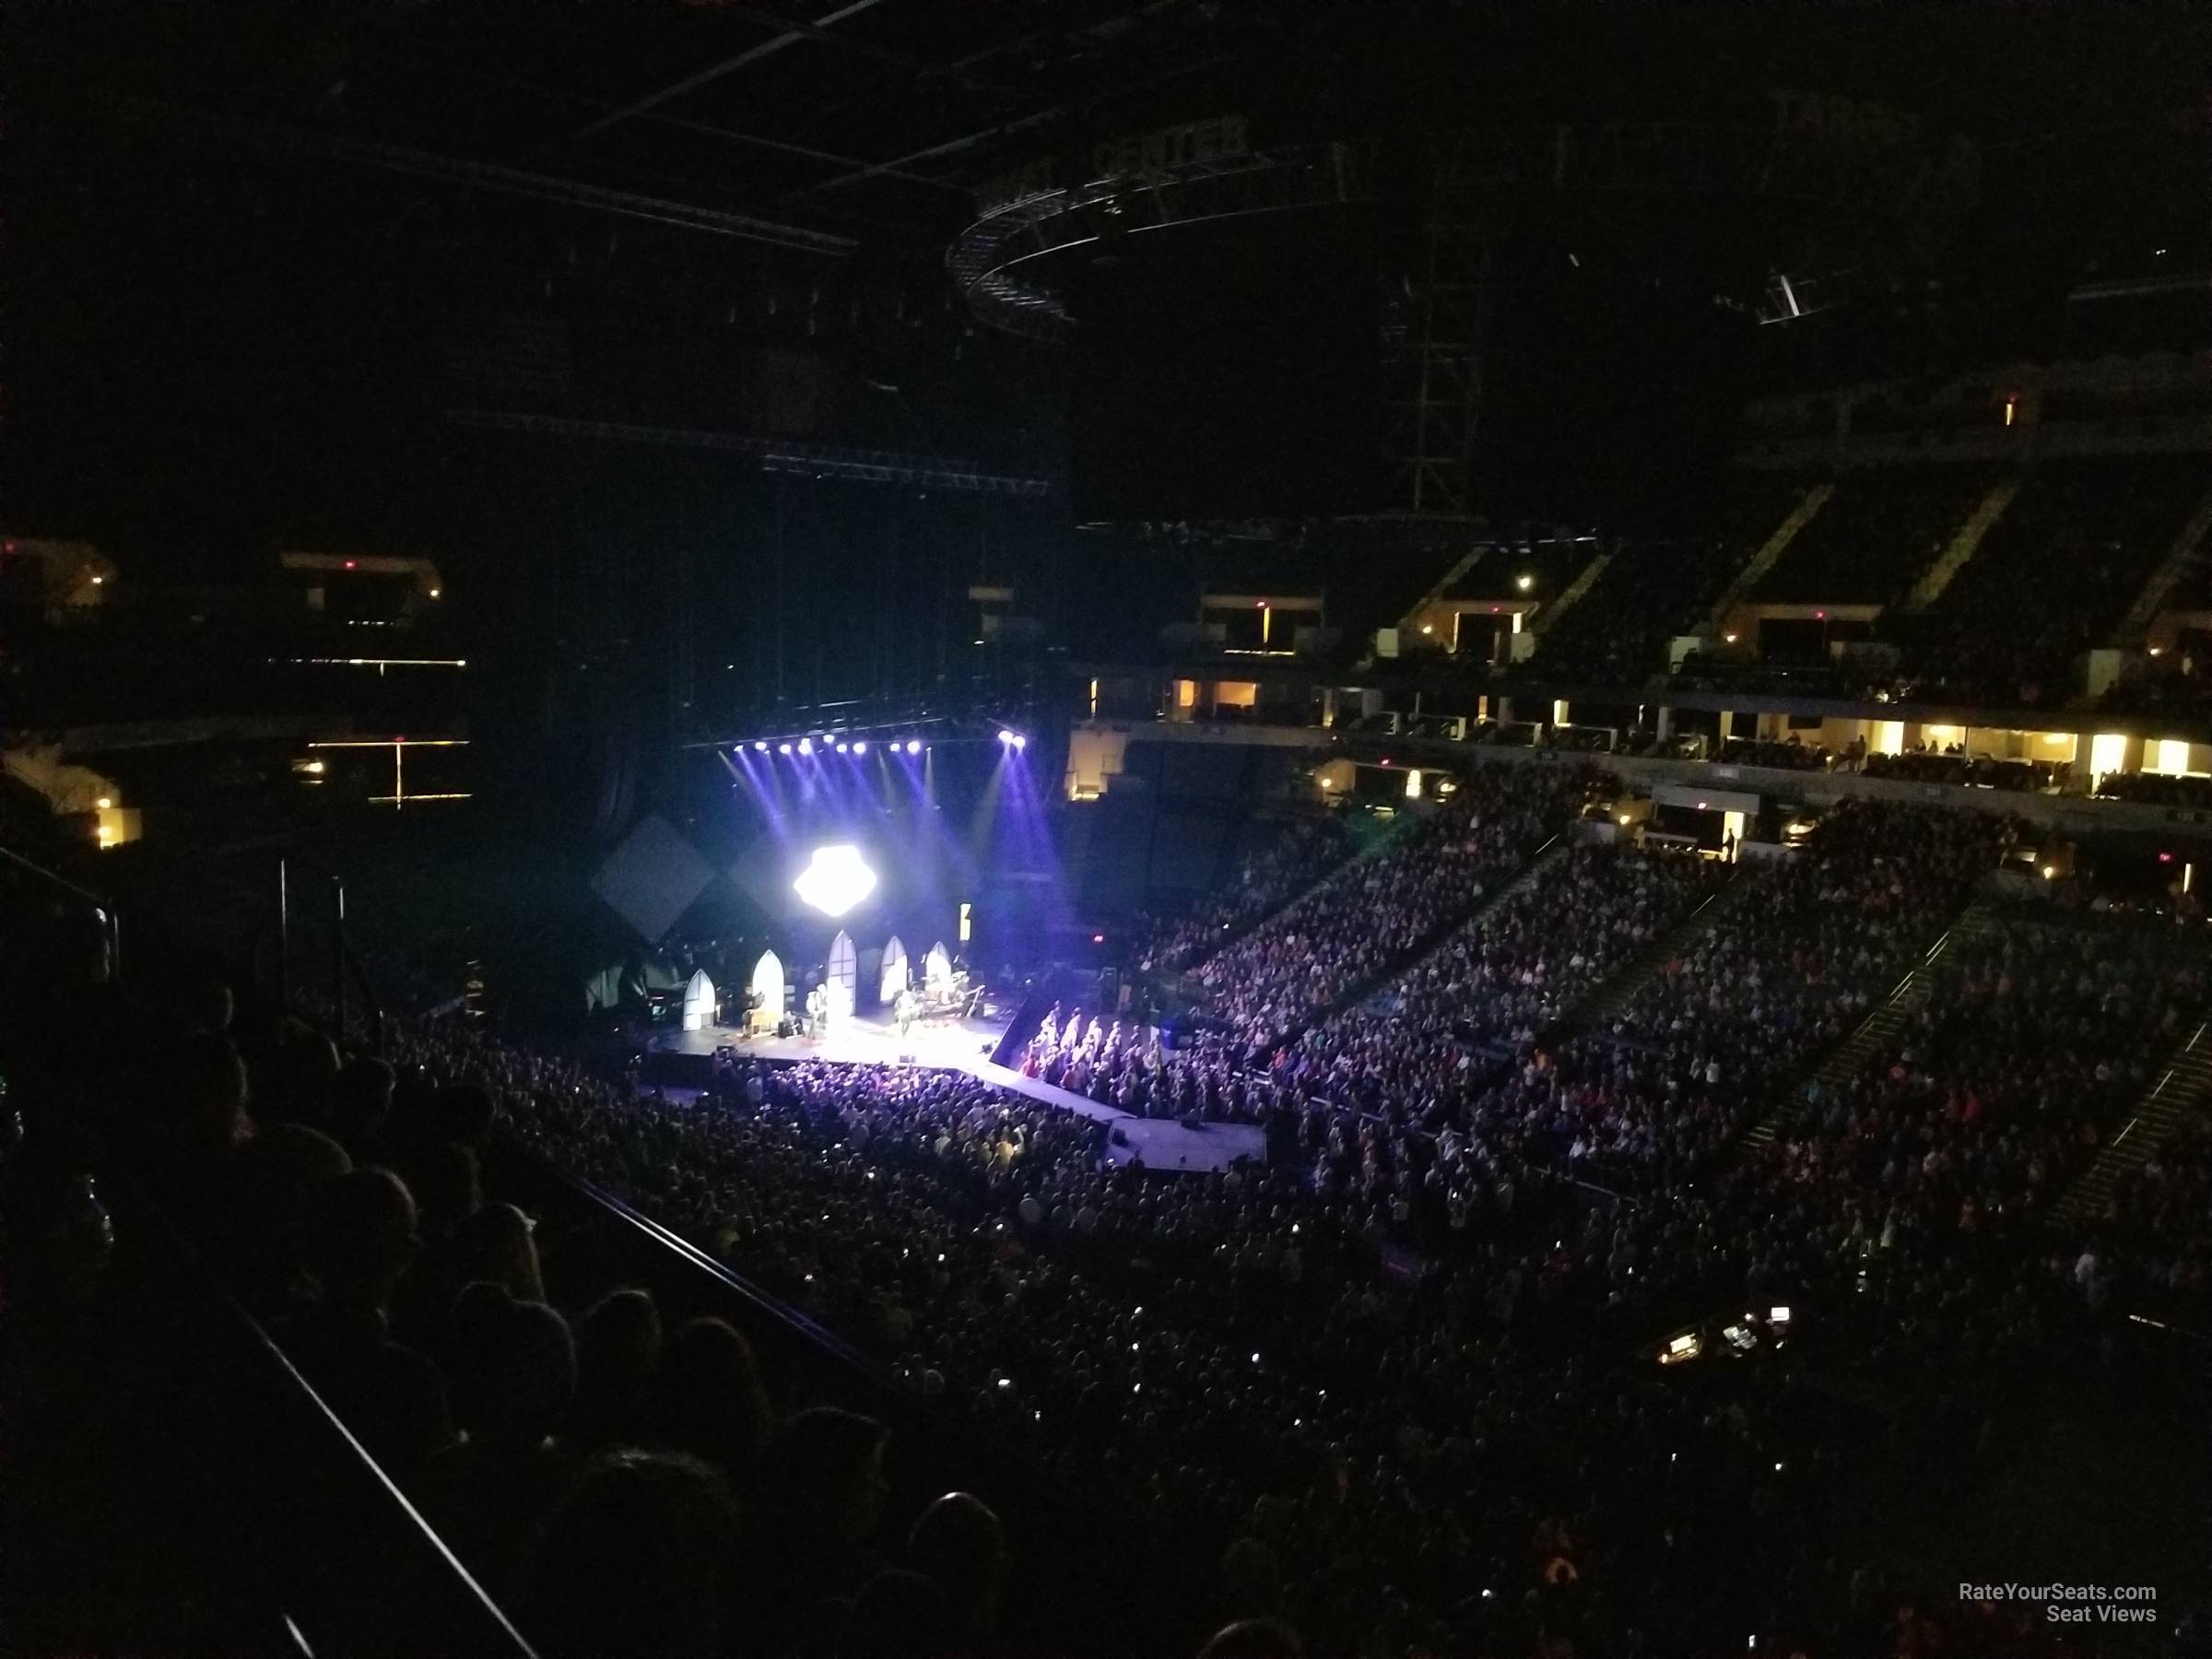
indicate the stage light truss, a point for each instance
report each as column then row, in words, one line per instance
column 777, row 456
column 985, row 260
column 1853, row 202
column 841, row 729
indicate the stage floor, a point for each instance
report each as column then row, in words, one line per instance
column 966, row 1045
column 863, row 1041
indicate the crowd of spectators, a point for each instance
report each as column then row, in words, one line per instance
column 2056, row 572
column 1618, row 633
column 1368, row 917
column 2157, row 789
column 1300, row 852
column 1491, row 989
column 620, row 1487
column 1879, row 532
column 1359, row 1387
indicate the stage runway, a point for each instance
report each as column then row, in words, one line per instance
column 966, row 1045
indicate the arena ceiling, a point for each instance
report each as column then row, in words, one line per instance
column 841, row 128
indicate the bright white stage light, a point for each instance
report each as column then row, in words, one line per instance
column 843, row 747
column 782, row 748
column 805, row 746
column 761, row 745
column 913, row 745
column 860, row 747
column 1005, row 737
column 835, row 881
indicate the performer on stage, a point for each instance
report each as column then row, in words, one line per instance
column 903, row 1009
column 818, row 1011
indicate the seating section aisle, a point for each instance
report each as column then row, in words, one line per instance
column 1280, row 860
column 2056, row 571
column 1375, row 910
column 1617, row 633
column 1877, row 534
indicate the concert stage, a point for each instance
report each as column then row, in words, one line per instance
column 864, row 1040
column 966, row 1045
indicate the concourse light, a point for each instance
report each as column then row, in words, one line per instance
column 1525, row 582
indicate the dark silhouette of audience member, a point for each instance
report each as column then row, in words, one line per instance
column 826, row 1485
column 618, row 1360
column 1254, row 1639
column 360, row 1242
column 360, row 1106
column 959, row 1545
column 511, row 1368
column 638, row 1561
column 712, row 1402
column 901, row 1615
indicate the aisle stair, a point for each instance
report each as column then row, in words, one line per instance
column 1434, row 938
column 1441, row 586
column 1878, row 1031
column 2180, row 558
column 1596, row 1013
column 1962, row 546
column 1549, row 616
column 1768, row 556
column 1353, row 854
column 2183, row 1090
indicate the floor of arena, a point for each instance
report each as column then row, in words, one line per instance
column 966, row 1045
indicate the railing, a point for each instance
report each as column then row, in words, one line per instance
column 344, row 963
column 357, row 1568
column 300, row 1542
column 94, row 909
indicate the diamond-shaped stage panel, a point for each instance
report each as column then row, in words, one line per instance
column 652, row 878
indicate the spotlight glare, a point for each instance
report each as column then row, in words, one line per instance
column 805, row 746
column 782, row 748
column 1020, row 742
column 761, row 745
column 860, row 747
column 1004, row 736
column 835, row 879
column 913, row 745
column 843, row 747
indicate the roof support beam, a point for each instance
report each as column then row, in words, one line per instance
column 714, row 72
